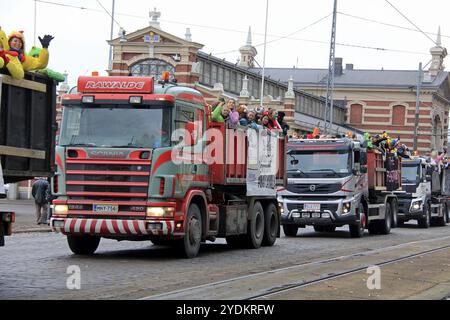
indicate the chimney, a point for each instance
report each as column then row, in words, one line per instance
column 338, row 66
column 349, row 66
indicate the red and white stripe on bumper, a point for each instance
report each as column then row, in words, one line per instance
column 113, row 227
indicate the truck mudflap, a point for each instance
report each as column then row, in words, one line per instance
column 116, row 227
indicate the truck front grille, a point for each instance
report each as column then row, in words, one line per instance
column 123, row 183
column 312, row 188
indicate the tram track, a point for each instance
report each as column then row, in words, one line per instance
column 272, row 282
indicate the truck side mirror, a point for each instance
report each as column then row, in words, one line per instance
column 363, row 159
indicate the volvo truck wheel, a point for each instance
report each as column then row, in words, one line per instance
column 255, row 228
column 271, row 225
column 386, row 224
column 189, row 246
column 394, row 211
column 442, row 221
column 357, row 230
column 290, row 230
column 83, row 245
column 425, row 221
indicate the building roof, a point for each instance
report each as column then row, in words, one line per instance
column 355, row 78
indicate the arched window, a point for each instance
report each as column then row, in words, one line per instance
column 356, row 113
column 151, row 68
column 398, row 115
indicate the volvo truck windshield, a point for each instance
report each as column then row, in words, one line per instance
column 319, row 163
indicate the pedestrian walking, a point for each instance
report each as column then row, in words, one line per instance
column 40, row 192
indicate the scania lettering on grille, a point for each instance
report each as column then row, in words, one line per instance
column 108, row 154
column 115, row 85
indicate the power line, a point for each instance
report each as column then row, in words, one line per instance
column 109, row 14
column 404, row 16
column 387, row 24
column 281, row 37
column 278, row 37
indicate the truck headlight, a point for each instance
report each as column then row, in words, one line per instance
column 281, row 207
column 415, row 206
column 346, row 208
column 160, row 212
column 61, row 209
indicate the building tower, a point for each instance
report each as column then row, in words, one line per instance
column 248, row 52
column 438, row 54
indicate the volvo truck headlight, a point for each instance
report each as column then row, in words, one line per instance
column 416, row 205
column 346, row 208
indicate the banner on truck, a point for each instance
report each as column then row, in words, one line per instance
column 261, row 163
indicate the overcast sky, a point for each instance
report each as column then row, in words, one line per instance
column 221, row 26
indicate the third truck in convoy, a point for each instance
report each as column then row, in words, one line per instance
column 337, row 182
column 425, row 193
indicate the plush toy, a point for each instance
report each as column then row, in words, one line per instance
column 16, row 41
column 368, row 139
column 35, row 52
column 9, row 59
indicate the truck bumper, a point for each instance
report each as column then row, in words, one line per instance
column 109, row 227
column 329, row 215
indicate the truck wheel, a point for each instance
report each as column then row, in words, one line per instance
column 357, row 230
column 442, row 221
column 2, row 234
column 425, row 222
column 255, row 228
column 394, row 210
column 83, row 245
column 271, row 225
column 290, row 230
column 386, row 224
column 189, row 246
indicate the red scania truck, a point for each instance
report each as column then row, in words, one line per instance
column 139, row 160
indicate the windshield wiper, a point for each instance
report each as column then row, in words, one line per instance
column 326, row 170
column 296, row 171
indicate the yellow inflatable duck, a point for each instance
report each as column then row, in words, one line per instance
column 16, row 41
column 9, row 59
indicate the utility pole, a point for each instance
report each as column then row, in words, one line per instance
column 112, row 33
column 416, row 122
column 329, row 102
column 264, row 54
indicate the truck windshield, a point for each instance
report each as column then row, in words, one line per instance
column 318, row 163
column 119, row 126
column 410, row 174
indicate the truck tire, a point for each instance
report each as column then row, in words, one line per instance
column 2, row 234
column 442, row 221
column 425, row 222
column 394, row 210
column 189, row 246
column 357, row 230
column 83, row 245
column 290, row 230
column 271, row 223
column 385, row 225
column 255, row 227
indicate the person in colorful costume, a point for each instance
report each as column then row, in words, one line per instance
column 9, row 59
column 35, row 52
column 16, row 41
